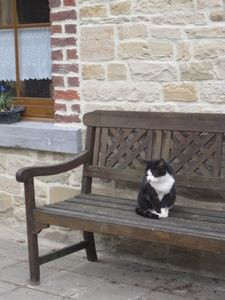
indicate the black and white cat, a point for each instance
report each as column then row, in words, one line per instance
column 157, row 191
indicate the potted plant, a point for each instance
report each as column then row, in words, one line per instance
column 8, row 113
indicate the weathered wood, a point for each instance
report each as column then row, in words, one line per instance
column 117, row 144
column 156, row 120
column 24, row 174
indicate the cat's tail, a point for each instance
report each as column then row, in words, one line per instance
column 146, row 213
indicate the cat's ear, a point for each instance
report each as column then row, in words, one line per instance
column 162, row 162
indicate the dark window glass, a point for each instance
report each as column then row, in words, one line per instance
column 32, row 11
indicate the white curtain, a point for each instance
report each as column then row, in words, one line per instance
column 34, row 54
column 7, row 55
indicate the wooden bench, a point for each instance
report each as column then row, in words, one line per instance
column 116, row 144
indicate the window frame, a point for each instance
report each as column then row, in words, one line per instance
column 40, row 109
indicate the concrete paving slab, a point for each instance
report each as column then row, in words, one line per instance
column 111, row 278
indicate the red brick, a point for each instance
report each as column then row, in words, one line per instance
column 60, row 107
column 71, row 54
column 71, row 28
column 58, row 81
column 66, row 95
column 67, row 119
column 64, row 68
column 61, row 42
column 69, row 3
column 54, row 3
column 56, row 29
column 57, row 55
column 76, row 108
column 63, row 15
column 73, row 81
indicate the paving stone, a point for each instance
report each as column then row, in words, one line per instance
column 111, row 278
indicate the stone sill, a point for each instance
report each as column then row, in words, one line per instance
column 41, row 136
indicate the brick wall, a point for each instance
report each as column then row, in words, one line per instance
column 138, row 55
column 65, row 67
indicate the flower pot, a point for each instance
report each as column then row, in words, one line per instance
column 11, row 116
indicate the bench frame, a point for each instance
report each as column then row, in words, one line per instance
column 116, row 144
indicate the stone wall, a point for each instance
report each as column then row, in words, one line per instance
column 48, row 189
column 152, row 55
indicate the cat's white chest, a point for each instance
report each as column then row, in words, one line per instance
column 163, row 185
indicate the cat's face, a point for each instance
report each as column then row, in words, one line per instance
column 155, row 170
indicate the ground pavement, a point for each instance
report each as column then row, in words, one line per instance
column 73, row 277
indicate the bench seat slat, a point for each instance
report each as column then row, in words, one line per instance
column 127, row 202
column 191, row 221
column 103, row 220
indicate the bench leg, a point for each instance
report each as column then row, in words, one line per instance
column 31, row 236
column 90, row 250
column 33, row 258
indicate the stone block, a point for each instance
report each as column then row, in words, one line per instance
column 166, row 33
column 135, row 92
column 213, row 92
column 183, row 51
column 59, row 193
column 145, row 50
column 41, row 189
column 5, row 201
column 209, row 49
column 180, row 92
column 132, row 31
column 117, row 72
column 62, row 178
column 93, row 71
column 19, row 213
column 208, row 3
column 153, row 71
column 180, row 19
column 139, row 50
column 206, row 32
column 122, row 8
column 99, row 45
column 16, row 163
column 161, row 50
column 146, row 6
column 10, row 185
column 93, row 11
column 219, row 68
column 218, row 16
column 3, row 164
column 196, row 71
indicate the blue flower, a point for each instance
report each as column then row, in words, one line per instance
column 2, row 88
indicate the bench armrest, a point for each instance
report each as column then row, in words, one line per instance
column 22, row 175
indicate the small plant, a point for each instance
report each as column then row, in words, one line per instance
column 6, row 100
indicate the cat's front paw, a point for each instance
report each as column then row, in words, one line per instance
column 164, row 213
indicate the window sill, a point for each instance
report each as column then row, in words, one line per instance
column 41, row 136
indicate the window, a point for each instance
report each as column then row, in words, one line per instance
column 25, row 55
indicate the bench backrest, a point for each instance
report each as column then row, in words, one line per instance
column 192, row 143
